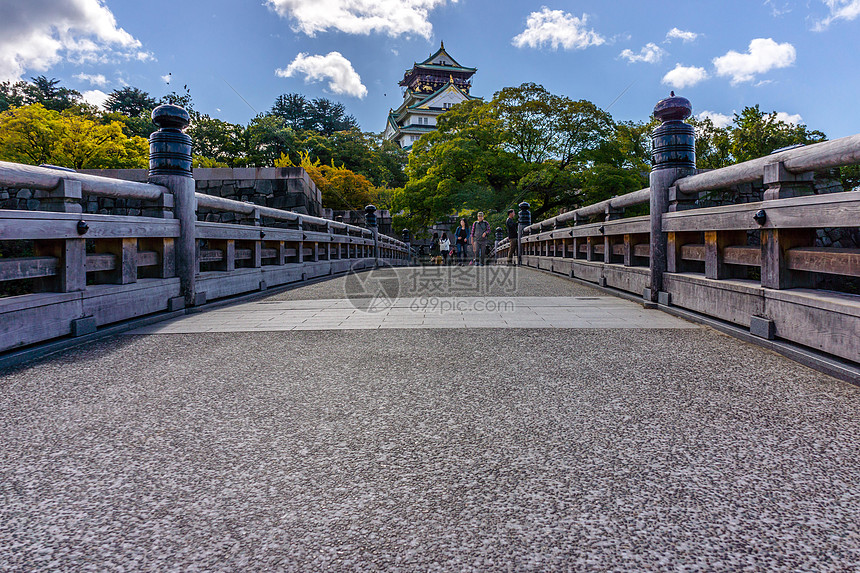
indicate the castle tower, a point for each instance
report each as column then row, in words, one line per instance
column 431, row 88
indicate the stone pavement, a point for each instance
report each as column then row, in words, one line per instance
column 473, row 449
column 417, row 312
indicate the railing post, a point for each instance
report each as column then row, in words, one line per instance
column 370, row 219
column 673, row 156
column 524, row 220
column 406, row 235
column 170, row 166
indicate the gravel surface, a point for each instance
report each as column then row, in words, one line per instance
column 426, row 450
column 441, row 281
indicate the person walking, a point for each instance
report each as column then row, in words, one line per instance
column 445, row 247
column 461, row 241
column 481, row 239
column 513, row 235
column 434, row 248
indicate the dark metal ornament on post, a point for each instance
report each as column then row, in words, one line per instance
column 673, row 142
column 170, row 166
column 370, row 221
column 524, row 220
column 673, row 157
column 169, row 148
column 406, row 235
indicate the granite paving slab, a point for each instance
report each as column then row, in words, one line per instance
column 428, row 450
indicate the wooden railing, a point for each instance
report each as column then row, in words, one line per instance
column 708, row 251
column 87, row 270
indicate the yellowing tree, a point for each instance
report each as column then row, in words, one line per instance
column 29, row 134
column 85, row 144
column 340, row 187
column 35, row 135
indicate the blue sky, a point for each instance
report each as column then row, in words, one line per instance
column 799, row 58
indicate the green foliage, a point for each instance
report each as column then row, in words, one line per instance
column 130, row 102
column 461, row 165
column 50, row 95
column 524, row 144
column 320, row 115
column 181, row 99
column 756, row 134
column 35, row 135
column 13, row 95
column 218, row 140
column 41, row 90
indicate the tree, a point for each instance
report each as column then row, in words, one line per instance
column 551, row 134
column 48, row 93
column 218, row 140
column 713, row 144
column 756, row 134
column 379, row 160
column 463, row 164
column 13, row 95
column 326, row 117
column 268, row 138
column 293, row 110
column 86, row 144
column 29, row 134
column 130, row 102
column 181, row 99
column 341, row 188
column 35, row 135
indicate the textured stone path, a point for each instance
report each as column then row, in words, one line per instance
column 414, row 313
column 560, row 449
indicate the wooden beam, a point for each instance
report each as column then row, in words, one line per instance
column 27, row 268
column 825, row 260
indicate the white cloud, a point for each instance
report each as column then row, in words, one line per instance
column 93, row 79
column 778, row 10
column 839, row 10
column 682, row 76
column 37, row 35
column 793, row 119
column 763, row 55
column 651, row 53
column 392, row 17
column 676, row 34
column 718, row 119
column 95, row 97
column 557, row 28
column 343, row 79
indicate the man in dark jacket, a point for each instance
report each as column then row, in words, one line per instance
column 481, row 238
column 513, row 236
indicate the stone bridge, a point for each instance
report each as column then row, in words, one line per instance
column 289, row 394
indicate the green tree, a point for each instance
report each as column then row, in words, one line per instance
column 183, row 99
column 130, row 102
column 50, row 95
column 326, row 117
column 13, row 95
column 756, row 134
column 462, row 165
column 292, row 108
column 218, row 140
column 87, row 144
column 269, row 137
